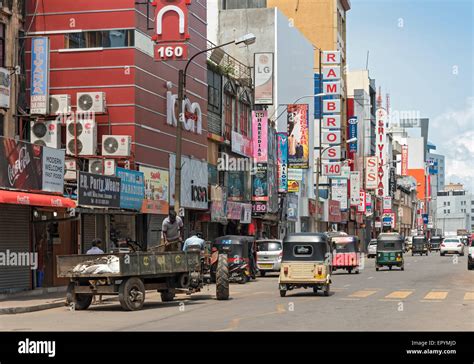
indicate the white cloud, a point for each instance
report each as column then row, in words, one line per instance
column 453, row 134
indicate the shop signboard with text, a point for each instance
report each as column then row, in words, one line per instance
column 260, row 136
column 298, row 136
column 132, row 192
column 97, row 190
column 156, row 199
column 282, row 144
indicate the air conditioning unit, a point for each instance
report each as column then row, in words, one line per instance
column 102, row 166
column 59, row 104
column 70, row 170
column 116, row 145
column 46, row 133
column 91, row 102
column 81, row 134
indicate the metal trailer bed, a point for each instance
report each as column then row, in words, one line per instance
column 166, row 272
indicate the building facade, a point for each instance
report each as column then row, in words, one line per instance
column 454, row 209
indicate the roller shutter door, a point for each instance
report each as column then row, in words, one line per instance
column 155, row 223
column 88, row 231
column 15, row 237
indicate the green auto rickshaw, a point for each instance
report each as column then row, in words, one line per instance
column 389, row 251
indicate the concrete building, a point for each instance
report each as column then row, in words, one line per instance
column 454, row 209
column 293, row 75
column 12, row 67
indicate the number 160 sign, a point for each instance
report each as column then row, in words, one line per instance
column 174, row 51
column 331, row 169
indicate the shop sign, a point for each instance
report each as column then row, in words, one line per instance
column 334, row 211
column 218, row 204
column 53, row 170
column 404, row 160
column 259, row 207
column 339, row 192
column 355, row 187
column 352, row 125
column 298, row 136
column 194, row 183
column 282, row 139
column 234, row 210
column 241, row 145
column 39, row 99
column 156, row 199
column 371, row 166
column 293, row 186
column 98, row 190
column 260, row 136
column 361, row 206
column 387, row 204
column 260, row 183
column 5, row 88
column 246, row 213
column 132, row 192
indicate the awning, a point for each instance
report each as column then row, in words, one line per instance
column 35, row 199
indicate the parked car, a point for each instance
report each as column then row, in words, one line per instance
column 372, row 249
column 470, row 255
column 452, row 245
column 409, row 242
column 269, row 254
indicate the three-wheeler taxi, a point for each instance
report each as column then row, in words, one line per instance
column 389, row 251
column 345, row 253
column 306, row 263
column 419, row 245
column 435, row 242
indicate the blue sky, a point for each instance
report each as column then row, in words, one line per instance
column 421, row 52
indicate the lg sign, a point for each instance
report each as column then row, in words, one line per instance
column 171, row 29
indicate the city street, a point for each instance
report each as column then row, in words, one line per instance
column 433, row 293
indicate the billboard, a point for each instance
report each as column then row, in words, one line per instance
column 282, row 140
column 39, row 99
column 263, row 78
column 298, row 136
column 260, row 136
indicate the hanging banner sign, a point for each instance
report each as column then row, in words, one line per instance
column 362, row 202
column 39, row 100
column 298, row 136
column 260, row 183
column 263, row 78
column 382, row 178
column 282, row 140
column 387, row 204
column 260, row 136
column 339, row 192
column 404, row 160
column 352, row 125
column 355, row 188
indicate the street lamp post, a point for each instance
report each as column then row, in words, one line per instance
column 247, row 40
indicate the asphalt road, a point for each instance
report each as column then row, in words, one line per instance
column 433, row 293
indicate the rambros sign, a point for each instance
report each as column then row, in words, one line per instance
column 171, row 29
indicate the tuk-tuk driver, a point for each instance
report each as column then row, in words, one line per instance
column 172, row 229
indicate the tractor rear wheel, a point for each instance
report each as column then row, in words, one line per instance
column 222, row 278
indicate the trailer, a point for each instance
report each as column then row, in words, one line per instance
column 129, row 275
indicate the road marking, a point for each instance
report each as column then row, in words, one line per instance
column 436, row 295
column 347, row 285
column 280, row 308
column 469, row 296
column 370, row 277
column 349, row 299
column 399, row 294
column 362, row 294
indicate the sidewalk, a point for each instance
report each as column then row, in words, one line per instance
column 30, row 301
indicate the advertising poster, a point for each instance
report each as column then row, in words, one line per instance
column 236, row 186
column 352, row 125
column 5, row 86
column 263, row 78
column 298, row 137
column 282, row 140
column 156, row 191
column 218, row 204
column 98, row 190
column 260, row 183
column 293, row 186
column 334, row 211
column 260, row 136
column 339, row 192
column 132, row 192
column 234, row 210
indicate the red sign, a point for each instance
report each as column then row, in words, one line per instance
column 405, row 160
column 171, row 29
column 334, row 213
column 34, row 199
column 362, row 201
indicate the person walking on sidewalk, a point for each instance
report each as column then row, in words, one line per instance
column 172, row 229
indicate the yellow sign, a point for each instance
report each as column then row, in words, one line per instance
column 293, row 186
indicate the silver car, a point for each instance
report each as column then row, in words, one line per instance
column 372, row 249
column 269, row 254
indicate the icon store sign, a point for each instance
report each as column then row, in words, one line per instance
column 171, row 29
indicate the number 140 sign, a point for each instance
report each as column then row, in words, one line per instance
column 331, row 169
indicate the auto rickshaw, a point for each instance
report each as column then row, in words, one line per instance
column 241, row 257
column 345, row 253
column 435, row 242
column 306, row 263
column 419, row 245
column 389, row 251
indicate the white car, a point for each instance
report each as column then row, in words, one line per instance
column 372, row 248
column 269, row 254
column 452, row 245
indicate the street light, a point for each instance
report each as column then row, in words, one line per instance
column 246, row 39
column 294, row 102
column 319, row 170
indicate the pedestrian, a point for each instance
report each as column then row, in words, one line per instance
column 172, row 229
column 96, row 249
